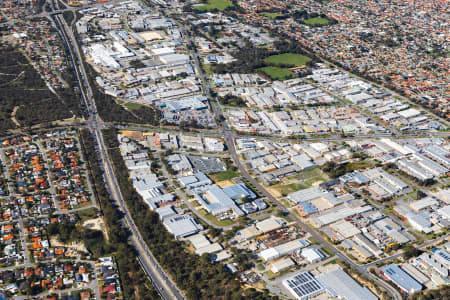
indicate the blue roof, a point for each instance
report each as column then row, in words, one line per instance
column 239, row 191
column 401, row 278
column 308, row 207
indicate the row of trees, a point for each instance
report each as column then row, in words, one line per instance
column 197, row 276
column 134, row 281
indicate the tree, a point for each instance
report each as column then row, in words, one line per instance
column 420, row 195
column 410, row 251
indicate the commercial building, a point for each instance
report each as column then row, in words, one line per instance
column 402, row 279
column 194, row 181
column 281, row 265
column 270, row 224
column 283, row 249
column 218, row 203
column 183, row 104
column 313, row 193
column 239, row 191
column 340, row 284
column 181, row 226
column 303, row 286
column 312, row 255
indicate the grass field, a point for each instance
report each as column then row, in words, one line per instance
column 288, row 59
column 316, row 21
column 133, row 105
column 210, row 217
column 271, row 16
column 214, row 4
column 225, row 175
column 327, row 251
column 300, row 181
column 276, row 73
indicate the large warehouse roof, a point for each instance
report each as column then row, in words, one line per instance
column 341, row 285
column 303, row 286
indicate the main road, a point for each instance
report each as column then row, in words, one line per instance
column 161, row 281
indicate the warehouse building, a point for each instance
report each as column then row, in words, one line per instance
column 218, row 203
column 313, row 193
column 194, row 181
column 340, row 284
column 312, row 255
column 281, row 265
column 181, row 226
column 303, row 286
column 402, row 279
column 283, row 249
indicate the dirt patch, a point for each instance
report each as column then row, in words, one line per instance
column 13, row 116
column 77, row 246
column 96, row 224
column 225, row 183
column 276, row 193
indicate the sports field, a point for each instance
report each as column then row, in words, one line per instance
column 214, row 4
column 276, row 73
column 316, row 21
column 288, row 59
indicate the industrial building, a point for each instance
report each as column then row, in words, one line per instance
column 312, row 255
column 340, row 284
column 181, row 226
column 194, row 181
column 218, row 203
column 402, row 279
column 303, row 286
column 283, row 249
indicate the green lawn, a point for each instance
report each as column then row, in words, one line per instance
column 225, row 175
column 271, row 275
column 288, row 59
column 271, row 16
column 210, row 217
column 86, row 214
column 303, row 180
column 276, row 73
column 214, row 4
column 327, row 251
column 316, row 21
column 133, row 105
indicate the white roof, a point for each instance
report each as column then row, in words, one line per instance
column 199, row 241
column 423, row 203
column 163, row 51
column 409, row 113
column 445, row 212
column 340, row 284
column 311, row 254
column 270, row 224
column 216, row 247
column 269, row 254
column 282, row 264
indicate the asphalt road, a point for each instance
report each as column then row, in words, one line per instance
column 229, row 139
column 162, row 283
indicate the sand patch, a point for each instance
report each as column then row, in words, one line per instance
column 225, row 183
column 96, row 224
column 74, row 245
